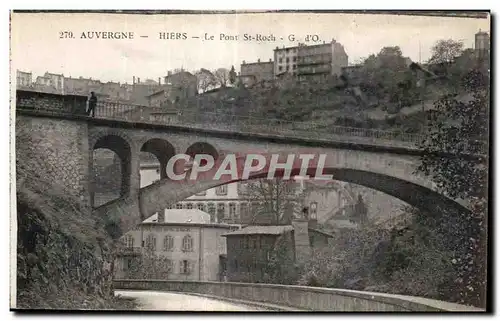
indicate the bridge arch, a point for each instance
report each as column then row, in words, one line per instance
column 202, row 148
column 155, row 198
column 121, row 147
column 162, row 150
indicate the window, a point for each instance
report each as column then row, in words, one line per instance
column 221, row 190
column 245, row 242
column 294, row 66
column 189, row 206
column 201, row 206
column 211, row 211
column 129, row 241
column 169, row 206
column 187, row 243
column 185, row 267
column 287, row 60
column 236, row 265
column 151, row 242
column 280, row 60
column 232, row 210
column 170, row 265
column 287, row 68
column 243, row 209
column 221, row 209
column 280, row 68
column 178, row 206
column 255, row 242
column 202, row 193
column 294, row 59
column 168, row 243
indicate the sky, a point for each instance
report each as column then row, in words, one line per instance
column 36, row 45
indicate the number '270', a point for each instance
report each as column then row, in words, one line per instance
column 65, row 34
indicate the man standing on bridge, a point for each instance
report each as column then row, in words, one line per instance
column 92, row 104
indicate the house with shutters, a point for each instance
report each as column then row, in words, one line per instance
column 192, row 247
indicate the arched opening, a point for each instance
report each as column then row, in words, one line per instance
column 202, row 148
column 153, row 158
column 111, row 168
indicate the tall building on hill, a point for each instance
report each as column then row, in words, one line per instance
column 311, row 63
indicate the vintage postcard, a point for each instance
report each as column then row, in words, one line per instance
column 250, row 161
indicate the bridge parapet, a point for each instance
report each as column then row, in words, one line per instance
column 68, row 104
column 302, row 297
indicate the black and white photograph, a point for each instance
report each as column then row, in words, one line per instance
column 250, row 161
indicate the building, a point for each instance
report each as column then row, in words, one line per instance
column 482, row 41
column 311, row 63
column 185, row 81
column 250, row 249
column 285, row 61
column 317, row 62
column 55, row 81
column 24, row 79
column 259, row 71
column 193, row 247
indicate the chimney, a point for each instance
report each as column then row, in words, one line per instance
column 258, row 60
column 161, row 216
column 301, row 238
column 169, row 73
column 270, row 60
column 243, row 62
column 159, row 80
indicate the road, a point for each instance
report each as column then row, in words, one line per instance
column 164, row 301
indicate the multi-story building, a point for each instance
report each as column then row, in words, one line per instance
column 250, row 249
column 256, row 71
column 52, row 80
column 317, row 62
column 285, row 61
column 23, row 79
column 314, row 62
column 193, row 247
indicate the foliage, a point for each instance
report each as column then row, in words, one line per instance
column 149, row 265
column 221, row 76
column 281, row 267
column 462, row 128
column 64, row 256
column 274, row 201
column 206, row 80
column 445, row 50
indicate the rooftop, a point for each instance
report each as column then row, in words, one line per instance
column 263, row 230
column 194, row 216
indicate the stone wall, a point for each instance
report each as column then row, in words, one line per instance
column 56, row 149
column 302, row 297
column 51, row 102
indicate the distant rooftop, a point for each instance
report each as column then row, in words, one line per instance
column 193, row 216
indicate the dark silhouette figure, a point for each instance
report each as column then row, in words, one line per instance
column 92, row 104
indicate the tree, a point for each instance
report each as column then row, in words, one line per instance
column 445, row 51
column 150, row 265
column 459, row 128
column 222, row 76
column 232, row 76
column 206, row 79
column 274, row 201
column 387, row 77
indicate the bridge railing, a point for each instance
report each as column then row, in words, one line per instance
column 262, row 125
column 231, row 122
column 301, row 297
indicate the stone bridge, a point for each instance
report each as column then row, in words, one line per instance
column 67, row 141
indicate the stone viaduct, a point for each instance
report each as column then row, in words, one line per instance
column 65, row 143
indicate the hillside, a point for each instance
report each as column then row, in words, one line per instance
column 324, row 104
